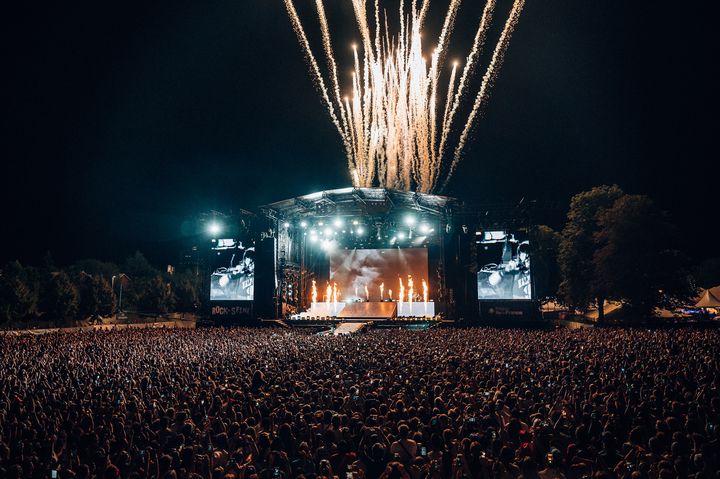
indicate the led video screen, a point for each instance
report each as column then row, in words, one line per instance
column 353, row 270
column 504, row 266
column 233, row 277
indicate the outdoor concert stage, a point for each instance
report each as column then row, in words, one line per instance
column 377, row 256
column 362, row 254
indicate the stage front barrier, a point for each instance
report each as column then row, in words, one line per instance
column 375, row 310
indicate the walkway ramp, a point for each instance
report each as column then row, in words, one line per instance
column 349, row 328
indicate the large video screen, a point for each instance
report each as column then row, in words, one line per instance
column 233, row 266
column 353, row 270
column 504, row 266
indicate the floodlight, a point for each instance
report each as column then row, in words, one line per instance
column 214, row 228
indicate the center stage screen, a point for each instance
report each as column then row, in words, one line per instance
column 504, row 266
column 355, row 269
column 233, row 277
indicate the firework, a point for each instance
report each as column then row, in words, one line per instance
column 393, row 122
column 425, row 294
column 411, row 292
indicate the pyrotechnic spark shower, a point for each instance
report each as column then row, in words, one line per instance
column 393, row 124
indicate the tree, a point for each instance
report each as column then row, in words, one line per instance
column 62, row 298
column 545, row 243
column 151, row 294
column 578, row 288
column 95, row 267
column 96, row 295
column 140, row 291
column 635, row 259
column 138, row 267
column 18, row 298
column 185, row 291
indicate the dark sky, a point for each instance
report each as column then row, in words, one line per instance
column 122, row 119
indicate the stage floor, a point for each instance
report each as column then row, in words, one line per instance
column 368, row 310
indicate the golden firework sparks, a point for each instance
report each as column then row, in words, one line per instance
column 394, row 133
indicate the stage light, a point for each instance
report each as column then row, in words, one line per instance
column 313, row 237
column 360, row 231
column 401, row 236
column 328, row 232
column 328, row 245
column 320, row 223
column 338, row 222
column 214, row 228
column 286, row 224
column 303, row 224
column 419, row 240
column 393, row 240
column 409, row 220
column 424, row 228
column 355, row 222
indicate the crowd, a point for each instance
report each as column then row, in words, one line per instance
column 444, row 403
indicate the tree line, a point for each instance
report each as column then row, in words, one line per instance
column 616, row 247
column 90, row 289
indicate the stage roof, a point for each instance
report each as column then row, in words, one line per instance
column 359, row 201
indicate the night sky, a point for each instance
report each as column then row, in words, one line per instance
column 123, row 119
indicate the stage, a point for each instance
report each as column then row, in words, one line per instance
column 369, row 310
column 384, row 256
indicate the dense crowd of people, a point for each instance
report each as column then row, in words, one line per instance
column 443, row 403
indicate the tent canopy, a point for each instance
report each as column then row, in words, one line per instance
column 708, row 300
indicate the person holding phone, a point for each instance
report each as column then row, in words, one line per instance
column 553, row 469
column 405, row 448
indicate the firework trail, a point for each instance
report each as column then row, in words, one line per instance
column 332, row 66
column 302, row 38
column 487, row 82
column 395, row 122
column 477, row 45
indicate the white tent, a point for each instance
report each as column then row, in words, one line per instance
column 708, row 300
